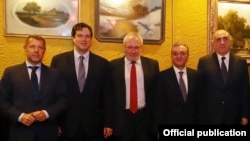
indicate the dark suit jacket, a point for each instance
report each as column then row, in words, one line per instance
column 170, row 105
column 16, row 98
column 92, row 109
column 150, row 72
column 4, row 124
column 224, row 103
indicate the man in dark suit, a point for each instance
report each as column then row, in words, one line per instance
column 224, row 101
column 134, row 125
column 177, row 106
column 90, row 111
column 4, row 124
column 32, row 111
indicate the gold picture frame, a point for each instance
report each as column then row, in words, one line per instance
column 48, row 18
column 228, row 14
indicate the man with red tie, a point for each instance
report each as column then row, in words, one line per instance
column 134, row 79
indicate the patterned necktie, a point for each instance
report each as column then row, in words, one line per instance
column 223, row 69
column 182, row 86
column 81, row 74
column 133, row 89
column 34, row 81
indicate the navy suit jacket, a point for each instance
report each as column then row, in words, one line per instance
column 17, row 98
column 224, row 103
column 150, row 71
column 170, row 106
column 92, row 109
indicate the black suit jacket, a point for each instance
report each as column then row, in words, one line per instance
column 150, row 72
column 4, row 124
column 92, row 109
column 170, row 106
column 224, row 103
column 16, row 98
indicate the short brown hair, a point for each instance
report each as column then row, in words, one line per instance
column 37, row 37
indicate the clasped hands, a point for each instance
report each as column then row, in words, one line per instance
column 29, row 118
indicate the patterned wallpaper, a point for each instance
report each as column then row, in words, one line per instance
column 184, row 20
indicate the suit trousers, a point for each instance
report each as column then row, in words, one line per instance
column 134, row 129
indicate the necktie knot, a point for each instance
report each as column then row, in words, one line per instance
column 81, row 58
column 133, row 62
column 223, row 58
column 181, row 73
column 33, row 68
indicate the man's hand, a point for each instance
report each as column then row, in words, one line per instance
column 107, row 132
column 39, row 115
column 27, row 119
column 244, row 121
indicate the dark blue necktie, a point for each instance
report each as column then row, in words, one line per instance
column 34, row 81
column 223, row 69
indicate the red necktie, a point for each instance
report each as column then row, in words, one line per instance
column 133, row 89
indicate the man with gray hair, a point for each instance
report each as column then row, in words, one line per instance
column 134, row 79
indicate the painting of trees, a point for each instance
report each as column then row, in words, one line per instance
column 237, row 27
column 32, row 8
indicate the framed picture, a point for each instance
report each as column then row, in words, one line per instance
column 115, row 18
column 233, row 16
column 48, row 18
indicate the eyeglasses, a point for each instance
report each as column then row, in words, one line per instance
column 133, row 48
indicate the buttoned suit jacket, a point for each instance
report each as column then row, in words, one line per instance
column 16, row 98
column 150, row 71
column 171, row 109
column 224, row 103
column 90, row 110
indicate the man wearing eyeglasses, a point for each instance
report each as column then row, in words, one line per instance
column 134, row 79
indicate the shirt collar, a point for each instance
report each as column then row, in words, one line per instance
column 127, row 61
column 28, row 64
column 77, row 55
column 184, row 70
column 226, row 56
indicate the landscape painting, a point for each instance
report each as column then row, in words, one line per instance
column 115, row 18
column 44, row 17
column 234, row 17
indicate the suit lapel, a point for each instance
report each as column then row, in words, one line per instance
column 71, row 66
column 121, row 72
column 145, row 71
column 71, row 70
column 43, row 80
column 231, row 68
